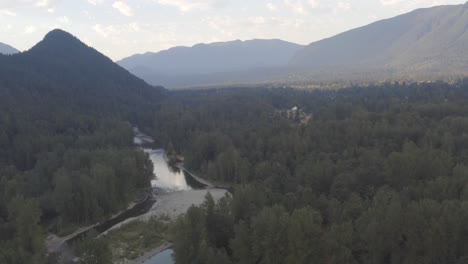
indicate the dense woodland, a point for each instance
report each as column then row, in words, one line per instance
column 377, row 175
column 374, row 174
column 67, row 157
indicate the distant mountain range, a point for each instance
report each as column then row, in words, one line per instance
column 425, row 40
column 7, row 49
column 201, row 61
column 425, row 43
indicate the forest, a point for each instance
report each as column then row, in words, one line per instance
column 365, row 174
column 377, row 174
column 67, row 157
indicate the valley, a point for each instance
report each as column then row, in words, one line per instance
column 351, row 149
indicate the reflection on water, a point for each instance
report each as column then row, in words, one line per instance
column 166, row 177
column 164, row 257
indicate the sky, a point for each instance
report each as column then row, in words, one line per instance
column 120, row 28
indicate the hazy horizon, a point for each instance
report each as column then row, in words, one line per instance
column 123, row 28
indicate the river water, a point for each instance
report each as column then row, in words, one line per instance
column 164, row 257
column 166, row 179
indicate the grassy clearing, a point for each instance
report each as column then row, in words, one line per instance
column 135, row 238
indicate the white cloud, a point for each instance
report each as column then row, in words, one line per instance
column 29, row 30
column 95, row 2
column 301, row 6
column 123, row 8
column 344, row 6
column 106, row 31
column 313, row 3
column 272, row 7
column 7, row 12
column 64, row 20
column 42, row 3
column 257, row 21
column 391, row 2
column 189, row 5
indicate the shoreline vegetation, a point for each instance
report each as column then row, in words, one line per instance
column 139, row 238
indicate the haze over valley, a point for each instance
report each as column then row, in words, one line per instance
column 413, row 46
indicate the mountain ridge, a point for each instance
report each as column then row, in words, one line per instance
column 412, row 41
column 62, row 66
column 424, row 44
column 214, row 57
column 7, row 49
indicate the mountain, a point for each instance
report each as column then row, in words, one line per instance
column 424, row 44
column 205, row 59
column 430, row 40
column 66, row 138
column 62, row 66
column 7, row 49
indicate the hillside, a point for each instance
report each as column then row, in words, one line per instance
column 61, row 65
column 7, row 49
column 170, row 66
column 431, row 40
column 67, row 157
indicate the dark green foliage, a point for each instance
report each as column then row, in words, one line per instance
column 378, row 174
column 24, row 236
column 66, row 142
column 92, row 250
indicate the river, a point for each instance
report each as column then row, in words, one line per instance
column 164, row 257
column 166, row 179
column 176, row 190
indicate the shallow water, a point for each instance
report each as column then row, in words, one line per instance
column 166, row 177
column 164, row 257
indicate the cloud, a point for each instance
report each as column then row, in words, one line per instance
column 106, row 31
column 43, row 3
column 301, row 6
column 344, row 6
column 13, row 4
column 271, row 7
column 391, row 2
column 29, row 30
column 64, row 20
column 123, row 8
column 7, row 12
column 257, row 21
column 95, row 2
column 189, row 5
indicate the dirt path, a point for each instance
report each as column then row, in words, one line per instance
column 55, row 243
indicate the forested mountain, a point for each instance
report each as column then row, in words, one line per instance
column 66, row 142
column 7, row 49
column 430, row 40
column 61, row 65
column 203, row 60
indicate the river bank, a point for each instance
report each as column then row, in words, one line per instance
column 175, row 189
column 148, row 255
